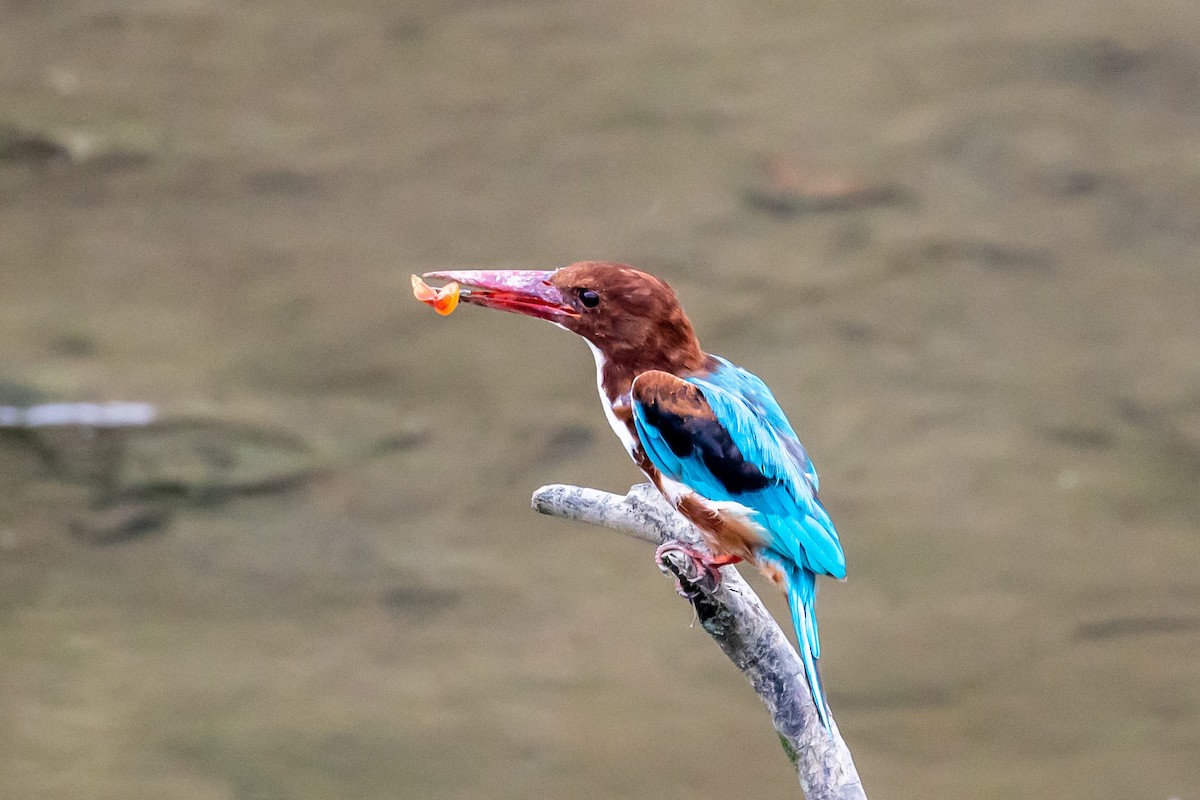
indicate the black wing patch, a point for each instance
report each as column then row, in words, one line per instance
column 684, row 420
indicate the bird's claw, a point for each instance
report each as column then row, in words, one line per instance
column 704, row 565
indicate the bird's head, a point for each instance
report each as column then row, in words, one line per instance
column 626, row 314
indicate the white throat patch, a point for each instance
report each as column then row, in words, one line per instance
column 619, row 428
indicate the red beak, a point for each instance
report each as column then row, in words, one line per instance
column 522, row 291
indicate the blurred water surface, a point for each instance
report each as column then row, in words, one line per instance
column 958, row 239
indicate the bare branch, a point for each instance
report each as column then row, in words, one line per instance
column 739, row 623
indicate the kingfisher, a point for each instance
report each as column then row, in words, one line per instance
column 708, row 435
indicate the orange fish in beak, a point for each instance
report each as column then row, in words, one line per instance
column 443, row 300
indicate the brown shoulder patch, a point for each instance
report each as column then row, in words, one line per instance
column 671, row 395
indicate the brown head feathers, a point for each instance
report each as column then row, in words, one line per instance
column 633, row 318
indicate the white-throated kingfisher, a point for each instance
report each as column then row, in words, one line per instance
column 709, row 435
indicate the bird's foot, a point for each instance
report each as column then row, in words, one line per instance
column 706, row 566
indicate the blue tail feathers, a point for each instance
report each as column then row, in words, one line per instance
column 802, row 597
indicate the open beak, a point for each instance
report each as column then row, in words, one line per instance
column 521, row 291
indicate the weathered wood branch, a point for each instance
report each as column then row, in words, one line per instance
column 739, row 623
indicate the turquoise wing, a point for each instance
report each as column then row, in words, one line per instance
column 729, row 446
column 755, row 394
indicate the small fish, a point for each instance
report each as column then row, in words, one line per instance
column 443, row 300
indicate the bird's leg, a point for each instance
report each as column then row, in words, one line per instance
column 729, row 540
column 707, row 565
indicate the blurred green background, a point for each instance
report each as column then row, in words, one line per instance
column 959, row 239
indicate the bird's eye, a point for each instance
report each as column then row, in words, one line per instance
column 589, row 298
